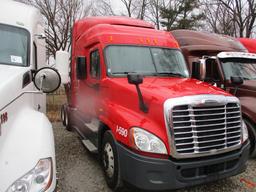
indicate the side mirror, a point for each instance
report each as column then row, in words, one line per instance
column 237, row 80
column 81, row 68
column 135, row 79
column 47, row 80
column 196, row 70
column 203, row 69
column 62, row 65
column 199, row 70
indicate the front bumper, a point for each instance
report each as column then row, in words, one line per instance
column 166, row 174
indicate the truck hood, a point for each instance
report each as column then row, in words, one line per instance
column 122, row 101
column 155, row 91
column 249, row 85
column 11, row 78
column 165, row 88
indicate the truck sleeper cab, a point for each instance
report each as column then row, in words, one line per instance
column 27, row 154
column 131, row 100
column 221, row 59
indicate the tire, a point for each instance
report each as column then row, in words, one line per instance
column 110, row 162
column 63, row 115
column 252, row 137
column 67, row 120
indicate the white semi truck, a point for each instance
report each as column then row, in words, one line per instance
column 27, row 154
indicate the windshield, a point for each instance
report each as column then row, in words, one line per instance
column 145, row 60
column 245, row 68
column 14, row 45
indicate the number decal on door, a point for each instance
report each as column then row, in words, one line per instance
column 3, row 119
column 121, row 131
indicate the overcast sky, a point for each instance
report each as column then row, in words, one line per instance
column 118, row 6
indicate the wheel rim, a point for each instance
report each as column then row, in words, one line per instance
column 108, row 160
column 62, row 115
column 66, row 119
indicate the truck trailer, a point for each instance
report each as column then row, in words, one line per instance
column 27, row 153
column 224, row 62
column 132, row 101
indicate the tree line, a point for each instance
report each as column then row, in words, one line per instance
column 229, row 17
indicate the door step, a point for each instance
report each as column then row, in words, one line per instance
column 90, row 146
column 93, row 125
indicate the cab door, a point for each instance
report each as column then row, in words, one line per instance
column 89, row 94
column 91, row 85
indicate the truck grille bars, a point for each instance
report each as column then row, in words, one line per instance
column 204, row 127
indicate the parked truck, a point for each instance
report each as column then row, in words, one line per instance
column 249, row 44
column 224, row 62
column 27, row 155
column 132, row 101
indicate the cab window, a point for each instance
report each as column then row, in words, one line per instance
column 14, row 46
column 95, row 64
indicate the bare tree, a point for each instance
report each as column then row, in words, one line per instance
column 129, row 5
column 136, row 8
column 241, row 13
column 219, row 19
column 102, row 8
column 59, row 16
column 153, row 12
column 141, row 8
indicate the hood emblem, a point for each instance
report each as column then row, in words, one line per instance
column 207, row 102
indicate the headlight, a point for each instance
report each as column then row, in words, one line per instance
column 244, row 132
column 147, row 142
column 38, row 179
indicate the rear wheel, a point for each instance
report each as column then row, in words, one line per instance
column 65, row 118
column 110, row 162
column 63, row 115
column 252, row 137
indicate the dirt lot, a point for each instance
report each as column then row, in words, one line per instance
column 79, row 171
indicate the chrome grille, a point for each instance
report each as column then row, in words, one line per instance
column 204, row 129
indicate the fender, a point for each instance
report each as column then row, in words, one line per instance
column 118, row 116
column 26, row 138
column 249, row 108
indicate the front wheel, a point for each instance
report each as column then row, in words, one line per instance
column 252, row 137
column 110, row 162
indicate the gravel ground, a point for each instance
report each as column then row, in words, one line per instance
column 79, row 171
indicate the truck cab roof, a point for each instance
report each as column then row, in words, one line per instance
column 25, row 13
column 204, row 41
column 120, row 30
column 85, row 24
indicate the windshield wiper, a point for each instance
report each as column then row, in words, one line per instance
column 171, row 74
column 246, row 78
column 126, row 73
column 154, row 74
column 121, row 73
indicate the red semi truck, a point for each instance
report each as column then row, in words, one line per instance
column 131, row 100
column 250, row 44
